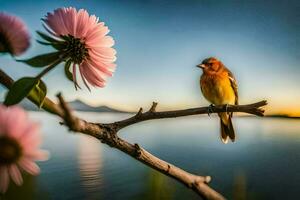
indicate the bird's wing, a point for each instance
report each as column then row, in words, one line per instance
column 234, row 86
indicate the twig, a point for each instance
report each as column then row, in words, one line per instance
column 254, row 109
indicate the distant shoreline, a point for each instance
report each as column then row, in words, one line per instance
column 283, row 116
column 78, row 105
column 273, row 116
column 125, row 112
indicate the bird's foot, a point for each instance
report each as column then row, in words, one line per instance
column 210, row 109
column 226, row 108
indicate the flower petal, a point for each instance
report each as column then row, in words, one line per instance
column 31, row 138
column 83, row 78
column 106, row 41
column 93, row 76
column 14, row 31
column 82, row 27
column 4, row 179
column 29, row 166
column 15, row 174
column 38, row 155
column 92, row 34
column 16, row 121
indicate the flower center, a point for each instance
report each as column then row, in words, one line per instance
column 76, row 49
column 10, row 151
column 4, row 44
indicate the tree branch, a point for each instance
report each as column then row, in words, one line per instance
column 254, row 109
column 107, row 133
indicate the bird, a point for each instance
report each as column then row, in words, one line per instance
column 219, row 86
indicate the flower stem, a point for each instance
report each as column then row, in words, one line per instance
column 45, row 71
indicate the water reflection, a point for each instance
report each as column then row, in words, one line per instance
column 158, row 187
column 90, row 165
column 240, row 186
column 27, row 191
column 265, row 156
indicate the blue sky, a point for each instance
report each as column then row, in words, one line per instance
column 160, row 42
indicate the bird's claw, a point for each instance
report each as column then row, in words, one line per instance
column 210, row 109
column 226, row 108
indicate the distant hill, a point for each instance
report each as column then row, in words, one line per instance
column 81, row 106
column 76, row 105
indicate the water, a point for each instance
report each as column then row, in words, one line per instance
column 264, row 163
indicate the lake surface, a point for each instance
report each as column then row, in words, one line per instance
column 264, row 162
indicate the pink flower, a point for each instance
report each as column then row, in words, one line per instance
column 14, row 37
column 86, row 44
column 19, row 146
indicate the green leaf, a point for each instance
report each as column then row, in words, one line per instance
column 67, row 70
column 58, row 46
column 55, row 45
column 46, row 37
column 65, row 37
column 42, row 60
column 43, row 43
column 19, row 90
column 39, row 93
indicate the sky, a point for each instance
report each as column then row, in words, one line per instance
column 159, row 43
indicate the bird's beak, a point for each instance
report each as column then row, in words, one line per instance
column 202, row 66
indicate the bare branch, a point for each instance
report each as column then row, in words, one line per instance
column 153, row 107
column 139, row 112
column 254, row 109
column 108, row 135
column 70, row 120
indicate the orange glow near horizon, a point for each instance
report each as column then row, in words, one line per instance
column 291, row 109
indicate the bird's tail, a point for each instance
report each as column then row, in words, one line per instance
column 227, row 130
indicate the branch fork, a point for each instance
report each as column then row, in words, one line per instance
column 108, row 135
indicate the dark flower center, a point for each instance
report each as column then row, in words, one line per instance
column 76, row 49
column 4, row 44
column 10, row 151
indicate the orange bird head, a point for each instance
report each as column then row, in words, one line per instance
column 210, row 65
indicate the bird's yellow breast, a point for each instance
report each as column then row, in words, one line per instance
column 217, row 89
